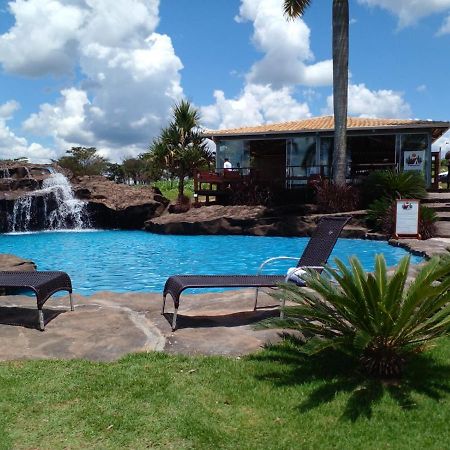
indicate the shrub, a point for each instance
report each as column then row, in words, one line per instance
column 382, row 188
column 331, row 197
column 374, row 317
column 393, row 185
column 427, row 222
column 251, row 192
column 381, row 216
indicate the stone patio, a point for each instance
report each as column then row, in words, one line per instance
column 107, row 326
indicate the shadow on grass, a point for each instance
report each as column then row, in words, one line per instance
column 334, row 372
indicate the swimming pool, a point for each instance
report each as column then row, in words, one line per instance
column 125, row 261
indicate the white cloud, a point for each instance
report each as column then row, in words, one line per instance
column 445, row 28
column 288, row 58
column 131, row 74
column 8, row 108
column 43, row 39
column 410, row 11
column 256, row 104
column 13, row 146
column 363, row 102
column 442, row 144
column 64, row 120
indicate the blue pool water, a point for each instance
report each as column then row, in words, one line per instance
column 123, row 261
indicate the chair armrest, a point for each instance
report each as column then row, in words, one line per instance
column 311, row 267
column 276, row 258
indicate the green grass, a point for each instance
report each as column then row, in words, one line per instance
column 273, row 400
column 170, row 189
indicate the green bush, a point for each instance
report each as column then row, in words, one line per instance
column 382, row 188
column 375, row 317
column 393, row 185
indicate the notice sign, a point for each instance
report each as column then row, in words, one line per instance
column 407, row 218
column 413, row 160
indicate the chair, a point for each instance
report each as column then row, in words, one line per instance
column 314, row 256
column 43, row 284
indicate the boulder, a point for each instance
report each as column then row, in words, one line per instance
column 112, row 205
column 16, row 264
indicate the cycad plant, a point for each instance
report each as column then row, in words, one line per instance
column 383, row 187
column 377, row 317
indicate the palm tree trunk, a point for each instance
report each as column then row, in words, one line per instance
column 180, row 186
column 340, row 87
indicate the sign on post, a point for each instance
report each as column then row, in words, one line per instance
column 407, row 218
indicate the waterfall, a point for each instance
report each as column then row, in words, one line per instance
column 4, row 173
column 53, row 207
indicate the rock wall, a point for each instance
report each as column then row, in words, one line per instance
column 108, row 205
column 250, row 220
column 112, row 205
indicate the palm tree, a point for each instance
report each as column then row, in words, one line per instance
column 181, row 149
column 296, row 8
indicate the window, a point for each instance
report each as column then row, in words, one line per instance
column 236, row 151
column 301, row 160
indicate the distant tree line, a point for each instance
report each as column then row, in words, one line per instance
column 174, row 155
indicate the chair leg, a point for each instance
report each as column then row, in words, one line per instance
column 41, row 320
column 71, row 301
column 174, row 319
column 164, row 304
column 256, row 299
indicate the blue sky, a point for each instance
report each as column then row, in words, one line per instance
column 106, row 74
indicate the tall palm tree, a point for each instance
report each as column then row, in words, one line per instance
column 181, row 149
column 296, row 8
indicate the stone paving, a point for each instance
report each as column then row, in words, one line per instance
column 107, row 326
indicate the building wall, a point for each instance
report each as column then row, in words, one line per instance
column 310, row 153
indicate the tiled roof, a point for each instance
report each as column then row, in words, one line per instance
column 325, row 123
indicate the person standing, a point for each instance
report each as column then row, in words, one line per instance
column 226, row 165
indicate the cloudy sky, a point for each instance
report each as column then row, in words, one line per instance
column 106, row 73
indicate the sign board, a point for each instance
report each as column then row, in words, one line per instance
column 413, row 160
column 407, row 218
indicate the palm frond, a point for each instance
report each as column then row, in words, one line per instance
column 295, row 8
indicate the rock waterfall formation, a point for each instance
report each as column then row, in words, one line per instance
column 36, row 197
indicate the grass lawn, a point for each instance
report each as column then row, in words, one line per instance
column 275, row 399
column 170, row 189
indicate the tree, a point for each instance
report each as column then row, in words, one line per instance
column 180, row 149
column 134, row 169
column 83, row 161
column 296, row 8
column 114, row 172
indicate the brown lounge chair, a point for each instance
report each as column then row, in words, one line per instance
column 43, row 284
column 314, row 256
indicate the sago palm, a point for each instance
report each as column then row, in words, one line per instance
column 296, row 8
column 377, row 317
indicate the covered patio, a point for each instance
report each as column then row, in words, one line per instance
column 289, row 155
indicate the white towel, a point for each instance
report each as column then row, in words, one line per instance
column 295, row 275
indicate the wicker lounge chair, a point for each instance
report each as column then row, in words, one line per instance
column 43, row 284
column 314, row 256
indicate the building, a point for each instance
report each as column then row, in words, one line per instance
column 293, row 151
